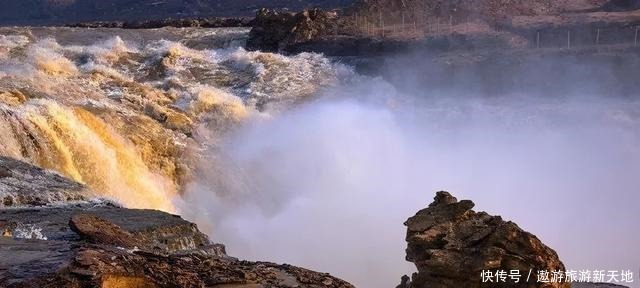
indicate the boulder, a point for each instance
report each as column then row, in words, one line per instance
column 451, row 245
column 100, row 231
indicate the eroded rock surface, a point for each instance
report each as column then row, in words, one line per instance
column 451, row 245
column 99, row 244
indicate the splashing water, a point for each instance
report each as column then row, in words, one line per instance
column 298, row 159
column 128, row 115
column 85, row 149
column 28, row 231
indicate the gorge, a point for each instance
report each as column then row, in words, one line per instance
column 315, row 160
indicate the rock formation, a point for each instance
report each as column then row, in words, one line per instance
column 379, row 27
column 451, row 245
column 25, row 185
column 48, row 241
column 275, row 31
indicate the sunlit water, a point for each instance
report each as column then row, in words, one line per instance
column 300, row 159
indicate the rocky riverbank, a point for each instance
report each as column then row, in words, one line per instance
column 56, row 234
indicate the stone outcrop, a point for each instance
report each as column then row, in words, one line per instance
column 275, row 30
column 94, row 243
column 23, row 185
column 451, row 245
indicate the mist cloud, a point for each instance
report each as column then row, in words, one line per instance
column 327, row 185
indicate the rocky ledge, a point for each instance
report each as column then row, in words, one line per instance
column 56, row 234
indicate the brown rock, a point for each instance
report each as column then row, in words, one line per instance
column 113, row 281
column 275, row 31
column 99, row 231
column 82, row 264
column 451, row 245
column 172, row 252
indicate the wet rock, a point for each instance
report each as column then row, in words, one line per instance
column 25, row 185
column 172, row 119
column 67, row 261
column 21, row 259
column 100, row 231
column 451, row 245
column 98, row 244
column 106, row 224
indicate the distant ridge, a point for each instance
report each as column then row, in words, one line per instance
column 62, row 12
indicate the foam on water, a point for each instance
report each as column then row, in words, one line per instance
column 298, row 159
column 69, row 107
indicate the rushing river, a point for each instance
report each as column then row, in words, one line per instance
column 301, row 159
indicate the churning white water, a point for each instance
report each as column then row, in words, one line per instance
column 300, row 159
column 328, row 184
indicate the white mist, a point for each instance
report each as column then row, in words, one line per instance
column 328, row 184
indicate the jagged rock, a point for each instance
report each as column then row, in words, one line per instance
column 275, row 31
column 451, row 245
column 67, row 260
